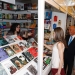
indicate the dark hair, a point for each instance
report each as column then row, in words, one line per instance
column 59, row 35
column 13, row 28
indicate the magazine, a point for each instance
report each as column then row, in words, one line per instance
column 8, row 50
column 3, row 54
column 17, row 62
column 10, row 67
column 28, row 55
column 32, row 70
column 22, row 58
column 15, row 48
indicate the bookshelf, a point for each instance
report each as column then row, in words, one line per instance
column 25, row 14
column 21, row 52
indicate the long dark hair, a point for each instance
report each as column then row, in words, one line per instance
column 13, row 28
column 59, row 35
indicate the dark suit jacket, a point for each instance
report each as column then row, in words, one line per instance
column 70, row 50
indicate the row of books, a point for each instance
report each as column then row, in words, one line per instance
column 31, row 24
column 19, row 16
column 25, row 6
column 10, row 67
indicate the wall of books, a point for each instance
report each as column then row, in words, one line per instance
column 19, row 57
column 24, row 13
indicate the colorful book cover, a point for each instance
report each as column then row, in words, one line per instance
column 3, row 54
column 28, row 55
column 22, row 45
column 4, row 24
column 16, row 48
column 10, row 67
column 32, row 70
column 2, row 70
column 22, row 58
column 0, row 5
column 33, row 51
column 9, row 39
column 0, row 15
column 48, row 15
column 34, row 6
column 17, row 62
column 8, row 50
column 1, row 26
column 3, row 42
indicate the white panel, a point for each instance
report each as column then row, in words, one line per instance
column 9, row 1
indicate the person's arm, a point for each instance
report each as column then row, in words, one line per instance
column 48, row 46
column 60, row 47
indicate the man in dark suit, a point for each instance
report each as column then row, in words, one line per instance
column 69, row 51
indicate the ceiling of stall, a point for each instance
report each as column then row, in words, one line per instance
column 67, row 6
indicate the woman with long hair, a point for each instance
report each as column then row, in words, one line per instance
column 57, row 52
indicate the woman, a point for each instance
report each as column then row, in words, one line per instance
column 58, row 51
column 14, row 29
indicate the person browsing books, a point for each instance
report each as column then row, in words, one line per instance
column 57, row 52
column 14, row 29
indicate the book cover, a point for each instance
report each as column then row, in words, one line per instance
column 0, row 5
column 22, row 58
column 9, row 39
column 34, row 6
column 33, row 51
column 11, row 68
column 15, row 16
column 16, row 48
column 28, row 55
column 0, row 15
column 3, row 54
column 8, row 50
column 25, row 6
column 29, row 6
column 4, row 24
column 3, row 15
column 22, row 7
column 17, row 62
column 32, row 70
column 1, row 26
column 2, row 70
column 22, row 45
column 5, row 5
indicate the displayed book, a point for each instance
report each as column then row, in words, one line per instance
column 2, row 70
column 23, row 45
column 8, row 50
column 4, row 24
column 32, row 70
column 18, row 6
column 22, row 7
column 5, row 5
column 16, row 48
column 3, row 42
column 28, row 55
column 1, row 25
column 34, row 6
column 17, row 62
column 3, row 54
column 10, row 67
column 0, row 15
column 34, row 16
column 33, row 51
column 0, row 5
column 9, row 39
column 28, row 16
column 3, row 15
column 29, row 6
column 22, row 59
column 15, row 16
column 19, row 16
column 25, row 6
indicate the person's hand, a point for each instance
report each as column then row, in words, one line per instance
column 57, row 73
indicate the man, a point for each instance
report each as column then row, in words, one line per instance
column 69, row 51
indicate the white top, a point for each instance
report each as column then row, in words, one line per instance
column 55, row 57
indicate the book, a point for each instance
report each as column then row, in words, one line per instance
column 0, row 15
column 3, row 54
column 17, row 62
column 32, row 70
column 8, row 50
column 3, row 15
column 9, row 39
column 16, row 48
column 2, row 70
column 33, row 51
column 23, row 45
column 25, row 6
column 0, row 5
column 28, row 55
column 22, row 58
column 10, row 67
